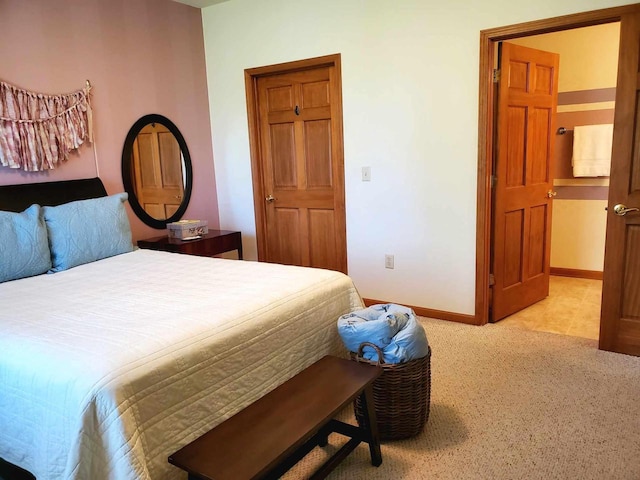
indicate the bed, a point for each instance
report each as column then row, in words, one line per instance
column 109, row 367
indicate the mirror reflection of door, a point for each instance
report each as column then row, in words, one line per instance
column 158, row 170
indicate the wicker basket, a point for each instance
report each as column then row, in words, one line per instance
column 401, row 396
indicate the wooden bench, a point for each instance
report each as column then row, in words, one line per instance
column 271, row 435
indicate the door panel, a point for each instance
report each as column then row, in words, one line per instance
column 317, row 135
column 155, row 210
column 516, row 146
column 537, row 239
column 170, row 160
column 513, row 229
column 631, row 295
column 544, row 79
column 302, row 172
column 527, row 99
column 315, row 94
column 287, row 225
column 283, row 154
column 280, row 99
column 147, row 165
column 323, row 253
column 518, row 79
column 620, row 320
column 541, row 138
column 169, row 210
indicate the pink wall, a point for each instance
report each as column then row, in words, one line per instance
column 141, row 56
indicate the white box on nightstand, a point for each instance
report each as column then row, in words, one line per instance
column 185, row 229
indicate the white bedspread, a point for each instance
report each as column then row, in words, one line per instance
column 108, row 368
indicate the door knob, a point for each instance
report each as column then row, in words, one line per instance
column 551, row 194
column 270, row 198
column 621, row 210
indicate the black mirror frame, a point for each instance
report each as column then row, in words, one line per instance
column 127, row 150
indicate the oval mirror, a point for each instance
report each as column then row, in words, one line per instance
column 156, row 170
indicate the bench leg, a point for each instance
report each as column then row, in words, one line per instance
column 323, row 435
column 370, row 412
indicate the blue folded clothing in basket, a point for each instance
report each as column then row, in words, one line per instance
column 393, row 328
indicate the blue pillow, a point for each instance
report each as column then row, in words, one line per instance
column 24, row 249
column 87, row 230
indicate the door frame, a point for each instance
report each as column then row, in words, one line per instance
column 486, row 139
column 251, row 76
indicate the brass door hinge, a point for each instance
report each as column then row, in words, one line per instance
column 492, row 280
column 496, row 75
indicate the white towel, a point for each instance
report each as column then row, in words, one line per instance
column 592, row 150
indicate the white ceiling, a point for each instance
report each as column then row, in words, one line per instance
column 200, row 3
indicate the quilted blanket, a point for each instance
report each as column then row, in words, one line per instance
column 108, row 368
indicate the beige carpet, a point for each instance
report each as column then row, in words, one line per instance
column 507, row 403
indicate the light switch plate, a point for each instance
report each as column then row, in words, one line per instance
column 366, row 174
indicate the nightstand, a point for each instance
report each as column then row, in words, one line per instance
column 213, row 243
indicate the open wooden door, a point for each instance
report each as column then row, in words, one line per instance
column 523, row 188
column 620, row 319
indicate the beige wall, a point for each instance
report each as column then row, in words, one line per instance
column 410, row 106
column 578, row 234
column 588, row 56
column 141, row 56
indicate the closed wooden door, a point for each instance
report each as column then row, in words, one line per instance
column 620, row 319
column 523, row 191
column 157, row 171
column 301, row 169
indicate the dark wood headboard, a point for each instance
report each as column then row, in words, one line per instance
column 16, row 198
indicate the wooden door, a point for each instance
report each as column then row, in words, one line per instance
column 620, row 319
column 157, row 171
column 302, row 172
column 527, row 99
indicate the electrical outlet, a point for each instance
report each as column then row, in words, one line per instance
column 366, row 174
column 388, row 261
